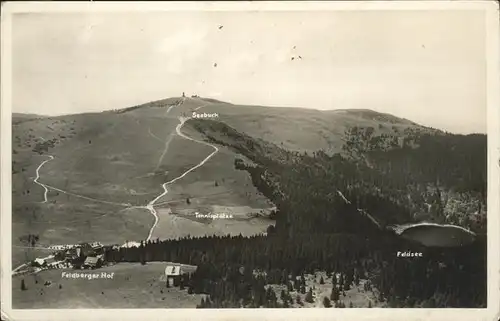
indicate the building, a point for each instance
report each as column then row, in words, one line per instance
column 99, row 250
column 173, row 275
column 51, row 262
column 97, row 247
column 61, row 247
column 93, row 262
column 71, row 254
column 86, row 250
column 38, row 262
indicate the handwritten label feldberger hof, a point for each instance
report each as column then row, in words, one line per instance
column 88, row 276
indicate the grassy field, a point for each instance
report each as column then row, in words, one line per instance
column 108, row 163
column 302, row 129
column 215, row 187
column 117, row 157
column 22, row 254
column 132, row 286
column 62, row 221
column 125, row 156
column 137, row 286
column 218, row 176
column 173, row 226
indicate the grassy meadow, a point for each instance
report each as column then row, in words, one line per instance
column 132, row 286
column 105, row 162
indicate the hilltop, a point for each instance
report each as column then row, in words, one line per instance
column 296, row 129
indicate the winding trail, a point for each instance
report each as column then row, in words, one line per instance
column 86, row 197
column 38, row 176
column 168, row 139
column 153, row 135
column 197, row 108
column 150, row 205
column 361, row 211
column 365, row 213
column 167, row 144
column 46, row 188
column 343, row 197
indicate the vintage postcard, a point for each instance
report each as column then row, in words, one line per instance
column 253, row 160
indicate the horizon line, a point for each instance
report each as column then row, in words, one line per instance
column 37, row 115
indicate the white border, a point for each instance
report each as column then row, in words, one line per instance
column 493, row 100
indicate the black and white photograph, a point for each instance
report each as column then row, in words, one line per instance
column 250, row 156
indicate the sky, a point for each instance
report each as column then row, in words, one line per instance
column 426, row 66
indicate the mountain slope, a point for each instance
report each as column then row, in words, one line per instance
column 421, row 173
column 246, row 160
column 301, row 129
column 106, row 162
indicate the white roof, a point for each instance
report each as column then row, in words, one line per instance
column 131, row 244
column 39, row 261
column 172, row 270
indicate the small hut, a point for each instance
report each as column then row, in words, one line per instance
column 173, row 275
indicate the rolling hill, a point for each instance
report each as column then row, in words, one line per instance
column 107, row 166
column 106, row 162
column 284, row 174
